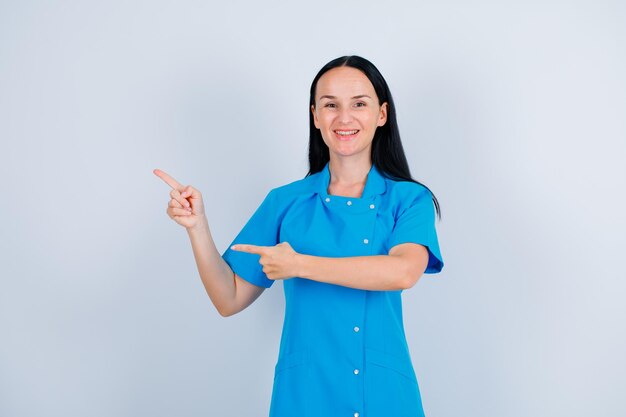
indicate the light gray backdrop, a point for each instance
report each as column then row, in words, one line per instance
column 512, row 112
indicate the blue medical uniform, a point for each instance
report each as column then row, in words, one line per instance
column 343, row 351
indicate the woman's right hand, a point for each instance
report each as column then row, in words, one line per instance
column 185, row 206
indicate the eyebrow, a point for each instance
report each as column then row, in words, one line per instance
column 355, row 97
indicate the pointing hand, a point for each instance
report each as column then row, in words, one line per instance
column 279, row 262
column 185, row 206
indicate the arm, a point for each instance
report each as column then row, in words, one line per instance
column 229, row 293
column 400, row 269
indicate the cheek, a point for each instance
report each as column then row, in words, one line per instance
column 373, row 118
column 324, row 136
column 324, row 119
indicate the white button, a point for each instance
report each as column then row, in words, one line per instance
column 356, row 414
column 366, row 241
column 356, row 328
column 349, row 202
column 372, row 206
column 327, row 199
column 356, row 372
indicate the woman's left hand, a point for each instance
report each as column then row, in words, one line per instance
column 279, row 262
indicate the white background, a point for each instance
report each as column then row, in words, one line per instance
column 512, row 112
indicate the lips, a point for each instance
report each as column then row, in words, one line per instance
column 346, row 134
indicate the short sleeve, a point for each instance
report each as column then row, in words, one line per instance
column 261, row 229
column 416, row 224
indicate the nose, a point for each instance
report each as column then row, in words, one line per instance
column 345, row 115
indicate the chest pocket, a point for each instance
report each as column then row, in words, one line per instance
column 339, row 227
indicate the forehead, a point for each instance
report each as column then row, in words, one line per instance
column 344, row 82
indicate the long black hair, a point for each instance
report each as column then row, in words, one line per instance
column 387, row 152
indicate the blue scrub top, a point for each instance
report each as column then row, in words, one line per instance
column 343, row 351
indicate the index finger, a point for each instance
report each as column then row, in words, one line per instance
column 242, row 247
column 168, row 179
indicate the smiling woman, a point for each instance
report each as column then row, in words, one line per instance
column 347, row 121
column 346, row 240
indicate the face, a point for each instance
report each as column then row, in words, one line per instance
column 347, row 112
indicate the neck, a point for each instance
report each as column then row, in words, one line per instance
column 349, row 172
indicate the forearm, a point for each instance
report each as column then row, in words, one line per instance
column 216, row 275
column 377, row 272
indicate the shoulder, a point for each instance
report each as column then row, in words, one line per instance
column 406, row 191
column 408, row 197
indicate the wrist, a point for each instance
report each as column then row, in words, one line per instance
column 302, row 265
column 201, row 225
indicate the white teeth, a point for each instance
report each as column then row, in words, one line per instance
column 346, row 132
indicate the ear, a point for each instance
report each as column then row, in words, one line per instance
column 315, row 121
column 382, row 115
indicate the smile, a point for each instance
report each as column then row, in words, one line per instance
column 346, row 134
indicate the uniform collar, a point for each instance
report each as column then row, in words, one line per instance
column 374, row 185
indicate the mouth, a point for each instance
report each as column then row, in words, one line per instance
column 346, row 134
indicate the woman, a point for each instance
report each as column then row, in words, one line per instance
column 346, row 239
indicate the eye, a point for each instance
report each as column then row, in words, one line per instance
column 330, row 105
column 360, row 104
